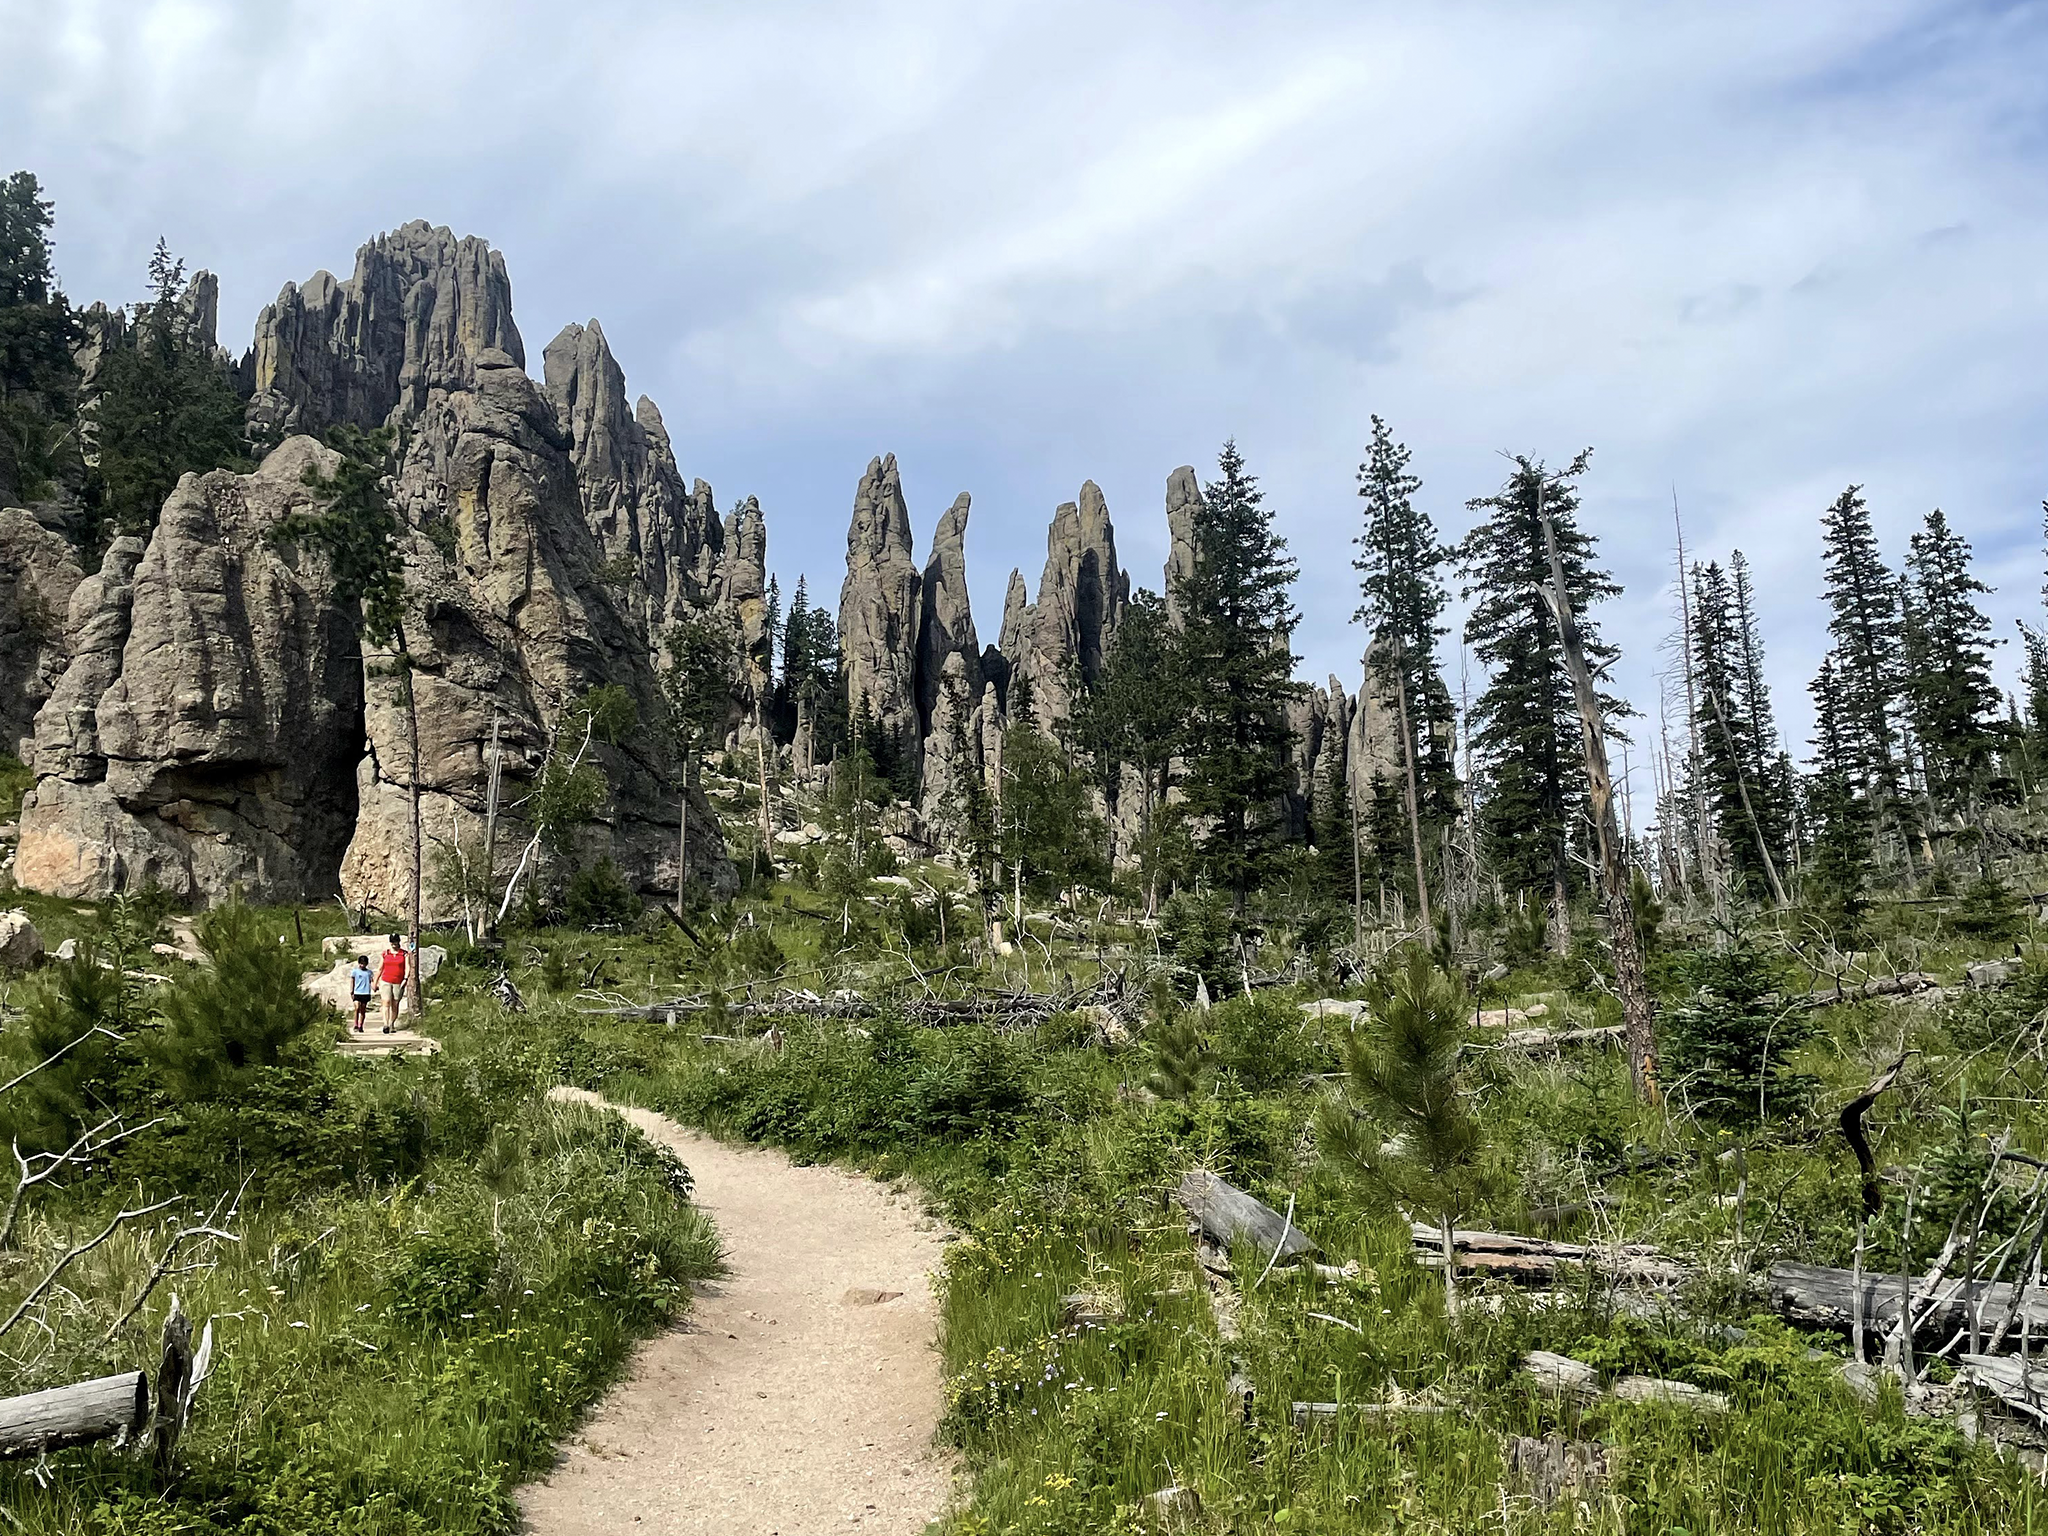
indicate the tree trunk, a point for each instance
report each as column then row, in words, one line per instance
column 1414, row 798
column 412, row 725
column 1357, row 878
column 767, row 805
column 1748, row 810
column 683, row 827
column 76, row 1414
column 491, row 828
column 1637, row 1006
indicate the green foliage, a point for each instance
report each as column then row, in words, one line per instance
column 697, row 682
column 38, row 379
column 166, row 407
column 1989, row 912
column 358, row 531
column 1200, row 931
column 1950, row 697
column 1867, row 658
column 1525, row 723
column 1730, row 1048
column 1237, row 626
column 1047, row 821
column 1179, row 1055
column 242, row 1013
column 1401, row 1080
column 599, row 897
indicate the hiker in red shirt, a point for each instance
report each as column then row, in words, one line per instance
column 392, row 974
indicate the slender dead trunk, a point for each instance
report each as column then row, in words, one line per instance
column 1748, row 810
column 412, row 725
column 1708, row 873
column 683, row 830
column 767, row 805
column 1414, row 798
column 491, row 827
column 1637, row 1006
column 1357, row 880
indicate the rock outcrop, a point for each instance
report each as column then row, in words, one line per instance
column 949, row 657
column 878, row 614
column 38, row 574
column 1183, row 501
column 419, row 311
column 1081, row 596
column 205, row 733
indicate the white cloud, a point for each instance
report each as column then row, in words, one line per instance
column 1752, row 251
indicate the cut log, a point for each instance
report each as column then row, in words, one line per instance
column 1825, row 1298
column 77, row 1414
column 1227, row 1213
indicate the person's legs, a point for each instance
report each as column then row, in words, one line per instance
column 391, row 991
column 362, row 1013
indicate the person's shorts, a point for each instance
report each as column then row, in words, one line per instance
column 363, row 999
column 393, row 991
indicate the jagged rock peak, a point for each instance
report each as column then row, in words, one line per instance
column 1081, row 598
column 415, row 317
column 1183, row 500
column 878, row 610
column 1013, row 637
column 946, row 621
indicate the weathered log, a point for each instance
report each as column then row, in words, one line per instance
column 1825, row 1298
column 1227, row 1213
column 77, row 1414
column 1513, row 1256
column 1561, row 1373
column 1555, row 1039
column 2019, row 1385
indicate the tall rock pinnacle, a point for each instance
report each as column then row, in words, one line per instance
column 878, row 612
column 1183, row 500
column 1081, row 598
column 949, row 675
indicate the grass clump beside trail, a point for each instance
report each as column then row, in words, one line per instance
column 432, row 1268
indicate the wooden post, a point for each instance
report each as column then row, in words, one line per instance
column 1637, row 1007
column 171, row 1379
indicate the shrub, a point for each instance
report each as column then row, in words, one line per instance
column 243, row 1012
column 598, row 897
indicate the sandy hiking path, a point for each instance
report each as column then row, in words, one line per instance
column 801, row 1392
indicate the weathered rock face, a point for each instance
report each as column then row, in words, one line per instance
column 878, row 612
column 419, row 311
column 946, row 625
column 742, row 591
column 1012, row 638
column 517, row 626
column 205, row 732
column 1183, row 500
column 662, row 540
column 1374, row 748
column 38, row 574
column 1081, row 597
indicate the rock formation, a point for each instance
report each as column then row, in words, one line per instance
column 38, row 573
column 1012, row 638
column 205, row 734
column 419, row 311
column 1081, row 596
column 1183, row 499
column 217, row 727
column 949, row 657
column 878, row 614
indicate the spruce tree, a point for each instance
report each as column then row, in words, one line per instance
column 1837, row 809
column 1867, row 633
column 1524, row 727
column 165, row 408
column 1950, row 698
column 38, row 379
column 1771, row 788
column 1135, row 714
column 1238, row 619
column 1402, row 602
column 1733, row 771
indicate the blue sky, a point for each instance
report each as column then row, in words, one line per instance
column 1750, row 252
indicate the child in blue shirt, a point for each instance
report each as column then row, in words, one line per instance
column 362, row 984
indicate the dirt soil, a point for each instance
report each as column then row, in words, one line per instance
column 801, row 1393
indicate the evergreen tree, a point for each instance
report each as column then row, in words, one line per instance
column 1048, row 828
column 165, row 407
column 1403, row 598
column 1950, row 698
column 1524, row 726
column 1866, row 629
column 810, row 683
column 1837, row 810
column 38, row 379
column 1731, row 1046
column 1238, row 620
column 1134, row 714
column 242, row 1013
column 1771, row 789
column 1734, row 770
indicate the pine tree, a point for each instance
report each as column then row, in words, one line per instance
column 1524, row 728
column 1771, row 790
column 242, row 1013
column 1950, row 698
column 165, row 408
column 38, row 379
column 1731, row 1046
column 1403, row 599
column 1867, row 632
column 1837, row 809
column 1135, row 713
column 1238, row 619
column 1733, row 770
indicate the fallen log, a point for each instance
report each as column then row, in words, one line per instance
column 85, row 1411
column 1226, row 1213
column 2017, row 1384
column 1515, row 1257
column 1564, row 1376
column 1826, row 1298
column 1905, row 984
column 1012, row 1009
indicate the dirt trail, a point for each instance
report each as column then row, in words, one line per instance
column 801, row 1392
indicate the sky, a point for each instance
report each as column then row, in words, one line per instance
column 1748, row 253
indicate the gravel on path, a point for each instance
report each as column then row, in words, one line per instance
column 802, row 1391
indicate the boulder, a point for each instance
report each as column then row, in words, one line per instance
column 21, row 946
